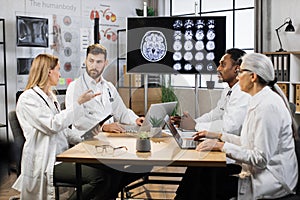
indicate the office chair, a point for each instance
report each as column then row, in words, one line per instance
column 62, row 105
column 57, row 184
column 19, row 139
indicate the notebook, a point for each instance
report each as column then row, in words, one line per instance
column 158, row 110
column 185, row 142
column 90, row 133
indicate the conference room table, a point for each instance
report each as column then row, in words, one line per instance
column 164, row 152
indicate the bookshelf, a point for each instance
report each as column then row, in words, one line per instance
column 3, row 79
column 287, row 70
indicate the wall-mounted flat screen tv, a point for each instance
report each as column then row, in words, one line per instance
column 186, row 45
column 32, row 31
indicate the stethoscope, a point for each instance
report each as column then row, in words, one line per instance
column 111, row 99
column 226, row 100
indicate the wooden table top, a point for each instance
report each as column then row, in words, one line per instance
column 164, row 152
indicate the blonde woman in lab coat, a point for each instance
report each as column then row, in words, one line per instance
column 46, row 130
column 265, row 149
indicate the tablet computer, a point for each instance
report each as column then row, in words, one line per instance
column 90, row 133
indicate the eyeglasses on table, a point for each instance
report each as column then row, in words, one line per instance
column 107, row 149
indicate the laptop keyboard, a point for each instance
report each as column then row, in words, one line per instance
column 191, row 143
column 131, row 128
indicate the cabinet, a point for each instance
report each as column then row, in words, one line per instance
column 287, row 71
column 3, row 80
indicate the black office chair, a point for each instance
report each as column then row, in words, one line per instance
column 62, row 105
column 19, row 139
column 58, row 184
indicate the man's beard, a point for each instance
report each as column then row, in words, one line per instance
column 94, row 74
column 221, row 80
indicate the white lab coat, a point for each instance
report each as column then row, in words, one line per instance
column 228, row 115
column 109, row 102
column 265, row 148
column 47, row 134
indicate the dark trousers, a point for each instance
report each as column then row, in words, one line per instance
column 197, row 182
column 99, row 181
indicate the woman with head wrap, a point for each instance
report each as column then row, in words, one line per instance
column 265, row 149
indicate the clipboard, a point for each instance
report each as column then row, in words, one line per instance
column 89, row 134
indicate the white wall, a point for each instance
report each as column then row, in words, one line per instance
column 8, row 13
column 279, row 11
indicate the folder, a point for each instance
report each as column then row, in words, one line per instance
column 279, row 67
column 136, row 80
column 286, row 68
column 297, row 97
column 126, row 77
column 284, row 88
column 275, row 64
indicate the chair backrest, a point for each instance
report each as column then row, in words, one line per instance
column 62, row 105
column 292, row 107
column 297, row 149
column 19, row 138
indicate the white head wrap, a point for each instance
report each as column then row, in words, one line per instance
column 259, row 64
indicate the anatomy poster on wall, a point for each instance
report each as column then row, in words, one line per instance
column 110, row 19
column 71, row 30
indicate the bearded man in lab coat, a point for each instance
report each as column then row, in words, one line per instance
column 109, row 102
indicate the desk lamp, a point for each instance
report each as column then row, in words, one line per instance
column 289, row 28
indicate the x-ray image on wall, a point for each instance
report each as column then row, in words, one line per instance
column 187, row 45
column 32, row 31
column 23, row 65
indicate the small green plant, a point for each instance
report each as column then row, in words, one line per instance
column 140, row 12
column 143, row 135
column 156, row 122
column 168, row 94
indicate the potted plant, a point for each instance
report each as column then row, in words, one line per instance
column 143, row 142
column 210, row 84
column 168, row 94
column 156, row 129
column 140, row 12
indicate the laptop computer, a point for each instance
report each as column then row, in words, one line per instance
column 94, row 130
column 158, row 110
column 183, row 142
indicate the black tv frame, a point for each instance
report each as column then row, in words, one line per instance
column 32, row 31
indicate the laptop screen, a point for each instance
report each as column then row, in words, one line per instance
column 157, row 110
column 160, row 110
column 173, row 130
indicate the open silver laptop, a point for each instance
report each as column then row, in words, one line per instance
column 183, row 142
column 158, row 110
